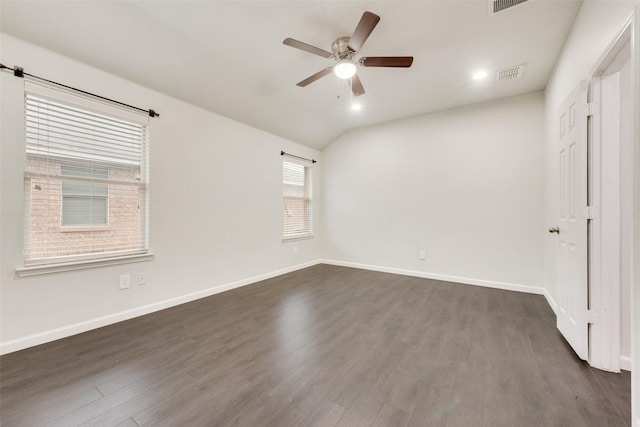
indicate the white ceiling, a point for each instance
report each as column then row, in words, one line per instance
column 228, row 56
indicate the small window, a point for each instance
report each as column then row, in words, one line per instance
column 84, row 203
column 85, row 178
column 296, row 215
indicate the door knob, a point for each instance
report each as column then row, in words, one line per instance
column 554, row 230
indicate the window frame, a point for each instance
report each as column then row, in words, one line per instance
column 307, row 198
column 53, row 264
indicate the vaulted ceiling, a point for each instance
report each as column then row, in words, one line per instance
column 228, row 56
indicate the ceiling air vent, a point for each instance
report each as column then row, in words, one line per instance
column 496, row 6
column 510, row 73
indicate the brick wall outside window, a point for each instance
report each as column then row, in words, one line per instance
column 45, row 226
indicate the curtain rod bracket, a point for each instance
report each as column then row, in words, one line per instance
column 18, row 71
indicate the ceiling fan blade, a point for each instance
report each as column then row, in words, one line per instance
column 356, row 86
column 307, row 47
column 366, row 25
column 315, row 77
column 387, row 61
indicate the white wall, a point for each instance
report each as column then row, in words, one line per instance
column 466, row 185
column 595, row 28
column 215, row 209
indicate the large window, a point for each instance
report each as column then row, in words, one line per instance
column 86, row 178
column 296, row 201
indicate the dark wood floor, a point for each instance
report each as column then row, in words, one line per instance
column 324, row 346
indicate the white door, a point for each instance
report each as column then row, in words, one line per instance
column 571, row 229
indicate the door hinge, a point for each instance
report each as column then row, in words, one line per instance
column 587, row 212
column 593, row 316
column 591, row 108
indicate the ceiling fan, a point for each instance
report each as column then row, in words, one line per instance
column 344, row 51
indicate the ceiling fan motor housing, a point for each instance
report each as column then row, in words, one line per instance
column 340, row 48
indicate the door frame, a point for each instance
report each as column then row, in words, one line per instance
column 604, row 181
column 635, row 270
column 632, row 30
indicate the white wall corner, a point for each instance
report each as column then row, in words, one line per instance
column 98, row 322
column 625, row 363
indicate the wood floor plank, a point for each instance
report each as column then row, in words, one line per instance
column 616, row 391
column 391, row 417
column 50, row 406
column 323, row 346
column 129, row 422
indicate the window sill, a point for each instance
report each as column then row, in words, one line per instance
column 36, row 270
column 299, row 237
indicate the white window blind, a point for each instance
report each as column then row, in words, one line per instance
column 296, row 201
column 86, row 178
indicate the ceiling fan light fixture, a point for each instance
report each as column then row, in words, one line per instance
column 344, row 69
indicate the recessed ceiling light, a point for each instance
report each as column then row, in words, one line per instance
column 356, row 107
column 479, row 75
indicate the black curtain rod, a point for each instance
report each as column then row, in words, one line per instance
column 19, row 72
column 282, row 153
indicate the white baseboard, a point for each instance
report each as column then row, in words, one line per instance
column 552, row 303
column 538, row 290
column 77, row 328
column 625, row 363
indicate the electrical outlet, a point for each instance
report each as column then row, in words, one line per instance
column 125, row 281
column 423, row 254
column 142, row 278
column 295, row 249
